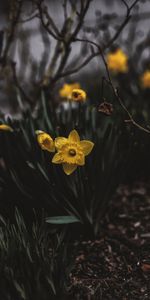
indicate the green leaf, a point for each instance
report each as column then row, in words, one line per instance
column 62, row 220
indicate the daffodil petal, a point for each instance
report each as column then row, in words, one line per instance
column 5, row 127
column 145, row 79
column 117, row 61
column 87, row 146
column 53, row 147
column 57, row 158
column 39, row 132
column 60, row 142
column 69, row 168
column 46, row 142
column 74, row 137
column 81, row 160
column 67, row 89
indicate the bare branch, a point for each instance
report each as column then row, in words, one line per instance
column 134, row 3
column 63, row 46
column 29, row 19
column 50, row 21
column 81, row 16
column 65, row 9
column 120, row 29
column 15, row 12
column 78, row 68
column 124, row 23
column 127, row 6
column 70, row 38
column 47, row 20
column 59, row 73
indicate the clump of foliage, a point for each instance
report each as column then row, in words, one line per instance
column 34, row 260
column 35, row 181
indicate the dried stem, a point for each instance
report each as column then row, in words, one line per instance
column 115, row 90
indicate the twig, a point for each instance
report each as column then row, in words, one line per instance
column 124, row 23
column 43, row 12
column 78, row 68
column 65, row 9
column 81, row 16
column 129, row 8
column 131, row 120
column 134, row 3
column 28, row 19
column 50, row 22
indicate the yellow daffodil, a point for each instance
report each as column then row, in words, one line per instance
column 5, row 127
column 67, row 88
column 117, row 62
column 45, row 141
column 71, row 151
column 77, row 95
column 145, row 79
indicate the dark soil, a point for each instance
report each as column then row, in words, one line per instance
column 117, row 265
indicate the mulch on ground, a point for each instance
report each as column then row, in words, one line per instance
column 117, row 265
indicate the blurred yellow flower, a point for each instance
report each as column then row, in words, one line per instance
column 77, row 95
column 45, row 141
column 117, row 62
column 145, row 79
column 67, row 88
column 5, row 127
column 71, row 151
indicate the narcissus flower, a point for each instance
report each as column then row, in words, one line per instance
column 45, row 141
column 67, row 88
column 145, row 79
column 77, row 95
column 71, row 151
column 5, row 127
column 117, row 62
